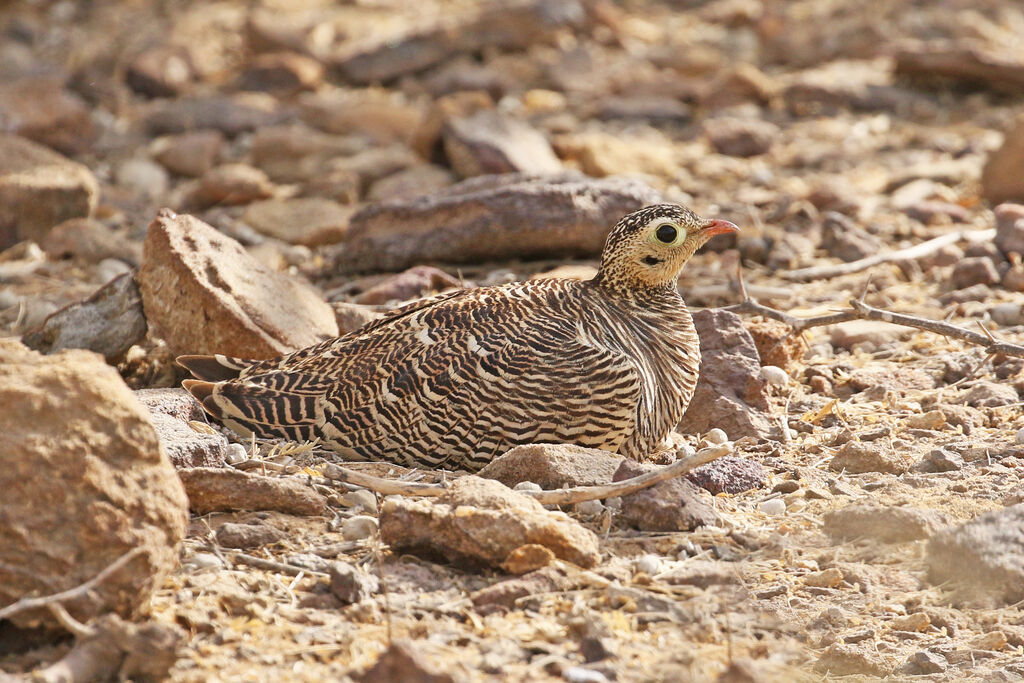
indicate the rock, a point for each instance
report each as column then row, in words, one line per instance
column 203, row 294
column 40, row 109
column 885, row 524
column 730, row 392
column 173, row 402
column 374, row 113
column 856, row 332
column 374, row 164
column 230, row 185
column 1000, row 176
column 773, row 507
column 978, row 270
column 142, row 176
column 505, row 593
column 729, row 475
column 189, row 154
column 162, row 71
column 840, row 659
column 1010, row 227
column 191, row 443
column 245, row 536
column 774, row 376
column 410, row 182
column 601, row 154
column 984, row 557
column 963, row 62
column 311, row 221
column 856, row 457
column 39, row 189
column 295, row 153
column 350, row 584
column 282, row 73
column 414, row 283
column 933, row 419
column 924, row 662
column 491, row 218
column 351, row 317
column 940, row 460
column 673, row 505
column 740, row 137
column 527, row 558
column 109, row 322
column 89, row 241
column 655, row 109
column 553, row 466
column 107, row 486
column 929, row 212
column 479, row 523
column 776, row 344
column 828, row 578
column 990, row 395
column 231, row 115
column 701, row 573
column 568, row 271
column 1013, row 278
column 403, row 662
column 491, row 142
column 846, row 240
column 508, row 26
column 359, row 527
column 219, row 489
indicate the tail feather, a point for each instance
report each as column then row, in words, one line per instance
column 215, row 368
column 248, row 408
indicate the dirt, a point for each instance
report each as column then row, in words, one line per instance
column 824, row 135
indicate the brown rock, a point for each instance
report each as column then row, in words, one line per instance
column 203, row 293
column 1001, row 180
column 990, row 395
column 189, row 443
column 962, row 62
column 857, row 457
column 730, row 392
column 414, row 283
column 163, row 71
column 39, row 189
column 426, row 140
column 173, row 402
column 217, row 489
column 729, row 475
column 351, row 316
column 244, row 536
column 375, row 163
column 1010, row 227
column 843, row 238
column 410, row 182
column 841, row 659
column 40, row 109
column 984, row 557
column 657, row 109
column 403, row 662
column 283, row 73
column 505, row 593
column 295, row 153
column 553, row 466
column 109, row 322
column 375, row 113
column 190, row 154
column 776, row 343
column 479, row 523
column 90, row 241
column 352, row 584
column 976, row 270
column 673, row 505
column 740, row 137
column 108, row 487
column 742, row 83
column 230, row 115
column 885, row 524
column 311, row 221
column 491, row 142
column 231, row 184
column 491, row 218
column 527, row 558
column 601, row 154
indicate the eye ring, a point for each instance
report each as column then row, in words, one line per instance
column 667, row 233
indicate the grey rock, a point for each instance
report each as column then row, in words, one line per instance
column 841, row 659
column 885, row 524
column 977, row 270
column 1010, row 228
column 843, row 238
column 673, row 505
column 90, row 241
column 729, row 475
column 990, row 395
column 243, row 536
column 858, row 457
column 403, row 662
column 984, row 557
column 553, row 466
column 175, row 402
column 229, row 115
column 108, row 322
column 350, row 584
column 940, row 460
column 741, row 137
column 490, row 142
column 924, row 662
column 187, row 447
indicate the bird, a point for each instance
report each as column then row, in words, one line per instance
column 453, row 380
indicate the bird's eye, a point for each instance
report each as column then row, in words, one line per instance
column 666, row 233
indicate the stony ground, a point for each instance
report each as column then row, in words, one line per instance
column 829, row 131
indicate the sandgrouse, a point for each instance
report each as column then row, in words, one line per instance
column 457, row 379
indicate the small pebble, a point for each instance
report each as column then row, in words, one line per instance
column 201, row 561
column 235, row 453
column 527, row 486
column 716, row 436
column 109, row 268
column 577, row 674
column 359, row 527
column 773, row 507
column 648, row 564
column 360, row 498
column 589, row 508
column 775, row 376
column 1020, row 436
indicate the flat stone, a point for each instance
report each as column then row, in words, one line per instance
column 410, row 182
column 990, row 395
column 673, row 505
column 490, row 142
column 82, row 490
column 479, row 523
column 730, row 393
column 231, row 115
column 376, row 114
column 962, row 62
column 849, row 334
column 230, row 185
column 885, row 524
column 189, row 154
column 977, row 270
column 984, row 557
column 351, row 317
column 203, row 293
column 298, row 153
column 245, row 536
column 491, row 218
column 221, row 489
column 600, row 154
column 90, row 241
column 282, row 73
column 311, row 221
column 858, row 457
column 41, row 109
column 39, row 189
column 553, row 466
column 109, row 322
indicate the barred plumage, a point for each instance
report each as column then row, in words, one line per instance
column 456, row 379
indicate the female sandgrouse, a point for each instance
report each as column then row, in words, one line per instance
column 456, row 379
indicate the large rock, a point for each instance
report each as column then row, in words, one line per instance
column 492, row 142
column 730, row 393
column 481, row 523
column 181, row 427
column 108, row 322
column 984, row 558
column 492, row 218
column 39, row 189
column 84, row 481
column 203, row 293
column 553, row 466
column 1002, row 179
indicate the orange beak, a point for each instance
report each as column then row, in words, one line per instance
column 718, row 227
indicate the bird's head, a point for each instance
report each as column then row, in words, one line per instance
column 648, row 248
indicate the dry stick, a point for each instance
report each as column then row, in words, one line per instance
column 272, row 565
column 908, row 254
column 554, row 497
column 71, row 594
